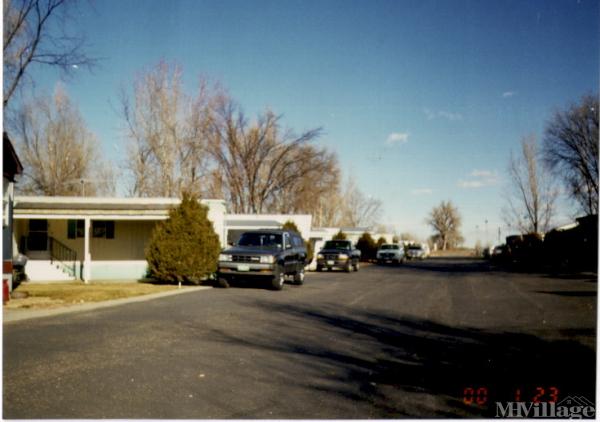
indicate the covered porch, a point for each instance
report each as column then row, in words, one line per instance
column 86, row 238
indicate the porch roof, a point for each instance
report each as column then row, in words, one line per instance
column 95, row 207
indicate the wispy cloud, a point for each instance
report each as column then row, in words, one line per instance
column 479, row 179
column 470, row 184
column 483, row 173
column 508, row 94
column 421, row 191
column 397, row 138
column 442, row 114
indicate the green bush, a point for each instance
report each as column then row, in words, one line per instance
column 185, row 247
column 340, row 236
column 367, row 247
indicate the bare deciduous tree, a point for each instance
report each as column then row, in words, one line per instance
column 34, row 32
column 257, row 164
column 168, row 133
column 445, row 221
column 571, row 151
column 311, row 193
column 59, row 154
column 532, row 195
column 358, row 210
column 409, row 236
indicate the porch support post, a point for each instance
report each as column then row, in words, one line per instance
column 87, row 264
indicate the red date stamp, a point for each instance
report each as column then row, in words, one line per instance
column 479, row 395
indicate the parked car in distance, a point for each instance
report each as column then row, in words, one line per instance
column 390, row 252
column 338, row 254
column 264, row 254
column 417, row 251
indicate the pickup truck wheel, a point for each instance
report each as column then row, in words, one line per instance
column 299, row 277
column 319, row 268
column 356, row 266
column 278, row 279
column 348, row 267
column 222, row 282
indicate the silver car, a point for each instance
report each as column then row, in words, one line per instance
column 417, row 251
column 390, row 253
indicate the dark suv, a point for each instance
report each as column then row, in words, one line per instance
column 264, row 254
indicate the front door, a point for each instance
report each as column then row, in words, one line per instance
column 38, row 235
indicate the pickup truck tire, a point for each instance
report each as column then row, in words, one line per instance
column 299, row 277
column 222, row 282
column 356, row 266
column 348, row 267
column 278, row 279
column 319, row 268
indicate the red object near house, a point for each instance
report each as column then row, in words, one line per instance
column 5, row 292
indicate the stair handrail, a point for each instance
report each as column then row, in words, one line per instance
column 64, row 255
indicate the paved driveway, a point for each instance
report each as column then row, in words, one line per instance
column 385, row 342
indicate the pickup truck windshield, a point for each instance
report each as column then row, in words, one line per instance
column 261, row 239
column 337, row 244
column 393, row 247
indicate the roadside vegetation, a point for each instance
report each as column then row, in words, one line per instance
column 184, row 248
column 38, row 295
column 367, row 247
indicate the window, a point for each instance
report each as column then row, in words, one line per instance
column 297, row 240
column 260, row 239
column 100, row 229
column 103, row 229
column 75, row 229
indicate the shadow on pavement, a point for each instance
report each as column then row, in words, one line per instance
column 453, row 265
column 450, row 265
column 571, row 293
column 415, row 367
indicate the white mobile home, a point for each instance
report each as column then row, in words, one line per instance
column 67, row 238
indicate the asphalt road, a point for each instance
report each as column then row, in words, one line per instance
column 386, row 342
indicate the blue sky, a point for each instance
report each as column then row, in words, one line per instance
column 422, row 100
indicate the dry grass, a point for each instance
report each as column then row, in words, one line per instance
column 63, row 294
